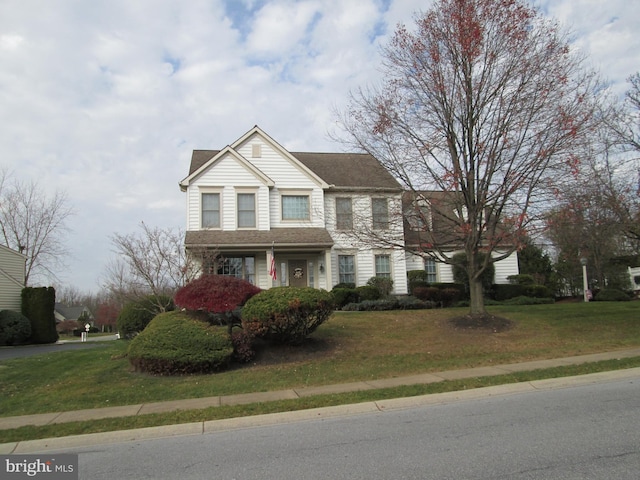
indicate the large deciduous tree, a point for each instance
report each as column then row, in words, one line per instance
column 152, row 263
column 34, row 224
column 486, row 100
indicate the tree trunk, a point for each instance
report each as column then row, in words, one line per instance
column 476, row 302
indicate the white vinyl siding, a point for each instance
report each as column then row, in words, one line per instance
column 12, row 272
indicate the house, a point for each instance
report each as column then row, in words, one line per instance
column 62, row 312
column 254, row 201
column 12, row 278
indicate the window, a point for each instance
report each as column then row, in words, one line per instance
column 430, row 268
column 346, row 269
column 380, row 212
column 344, row 214
column 246, row 210
column 383, row 266
column 418, row 215
column 239, row 267
column 295, row 207
column 210, row 210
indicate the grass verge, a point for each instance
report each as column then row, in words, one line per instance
column 222, row 412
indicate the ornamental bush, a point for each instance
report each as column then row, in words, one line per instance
column 215, row 294
column 611, row 295
column 15, row 328
column 286, row 314
column 383, row 284
column 342, row 296
column 174, row 344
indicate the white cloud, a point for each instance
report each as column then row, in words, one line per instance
column 106, row 99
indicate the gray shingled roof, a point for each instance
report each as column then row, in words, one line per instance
column 341, row 170
column 298, row 237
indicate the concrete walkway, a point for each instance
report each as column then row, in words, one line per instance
column 247, row 398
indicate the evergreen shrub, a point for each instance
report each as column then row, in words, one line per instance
column 383, row 284
column 611, row 295
column 15, row 328
column 286, row 314
column 38, row 305
column 174, row 344
column 342, row 295
column 135, row 316
column 368, row 292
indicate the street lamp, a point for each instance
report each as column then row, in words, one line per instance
column 585, row 284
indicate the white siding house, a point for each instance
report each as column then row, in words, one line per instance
column 254, row 197
column 12, row 275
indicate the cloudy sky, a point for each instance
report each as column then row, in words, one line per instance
column 105, row 100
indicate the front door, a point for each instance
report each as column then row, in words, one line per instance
column 297, row 273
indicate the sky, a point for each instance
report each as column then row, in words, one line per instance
column 106, row 99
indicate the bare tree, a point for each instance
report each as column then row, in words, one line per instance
column 151, row 263
column 34, row 224
column 486, row 101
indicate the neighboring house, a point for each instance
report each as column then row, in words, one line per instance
column 62, row 313
column 634, row 277
column 12, row 276
column 254, row 197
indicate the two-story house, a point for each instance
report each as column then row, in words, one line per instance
column 12, row 276
column 312, row 216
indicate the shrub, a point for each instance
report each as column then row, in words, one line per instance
column 444, row 297
column 388, row 303
column 38, row 305
column 286, row 314
column 417, row 275
column 368, row 292
column 460, row 272
column 242, row 341
column 611, row 295
column 68, row 326
column 15, row 328
column 215, row 293
column 135, row 316
column 521, row 279
column 383, row 284
column 174, row 343
column 342, row 296
column 344, row 285
column 523, row 300
column 427, row 294
column 413, row 284
column 413, row 303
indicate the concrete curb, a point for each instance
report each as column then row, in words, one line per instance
column 371, row 408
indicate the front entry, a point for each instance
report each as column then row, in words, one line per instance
column 298, row 273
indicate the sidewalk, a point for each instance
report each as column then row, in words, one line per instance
column 247, row 398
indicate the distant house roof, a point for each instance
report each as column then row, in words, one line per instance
column 340, row 170
column 63, row 312
column 282, row 237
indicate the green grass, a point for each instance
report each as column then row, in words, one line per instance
column 351, row 346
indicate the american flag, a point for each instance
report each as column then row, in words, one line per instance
column 272, row 268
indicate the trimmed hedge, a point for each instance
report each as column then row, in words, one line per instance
column 15, row 328
column 174, row 344
column 343, row 295
column 38, row 305
column 286, row 314
column 501, row 292
column 611, row 295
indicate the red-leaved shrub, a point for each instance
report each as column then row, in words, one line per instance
column 215, row 294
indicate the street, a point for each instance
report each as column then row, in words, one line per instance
column 584, row 432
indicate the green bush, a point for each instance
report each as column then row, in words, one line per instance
column 341, row 296
column 523, row 300
column 174, row 343
column 413, row 284
column 38, row 305
column 344, row 285
column 413, row 303
column 15, row 328
column 460, row 272
column 368, row 292
column 388, row 303
column 502, row 292
column 286, row 314
column 135, row 316
column 611, row 295
column 383, row 284
column 521, row 279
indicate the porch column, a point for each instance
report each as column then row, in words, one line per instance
column 327, row 269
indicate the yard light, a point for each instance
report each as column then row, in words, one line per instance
column 585, row 284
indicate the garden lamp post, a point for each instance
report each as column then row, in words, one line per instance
column 585, row 283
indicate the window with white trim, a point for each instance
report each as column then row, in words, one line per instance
column 239, row 267
column 344, row 213
column 346, row 269
column 295, row 207
column 430, row 268
column 210, row 204
column 383, row 266
column 246, row 210
column 380, row 213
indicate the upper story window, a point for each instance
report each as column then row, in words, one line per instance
column 344, row 213
column 210, row 203
column 295, row 207
column 418, row 215
column 380, row 213
column 246, row 210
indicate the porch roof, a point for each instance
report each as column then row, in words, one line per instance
column 260, row 239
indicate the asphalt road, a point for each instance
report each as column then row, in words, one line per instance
column 584, row 432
